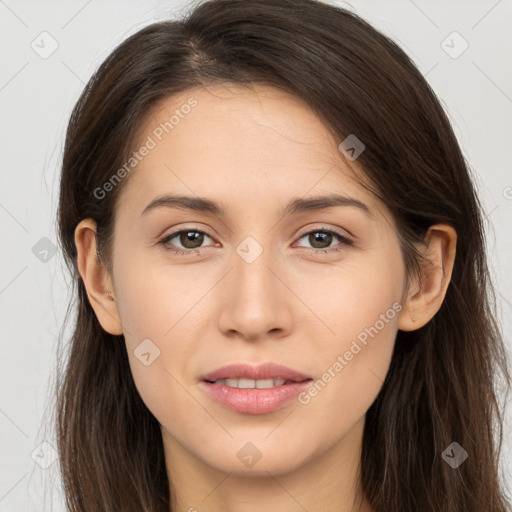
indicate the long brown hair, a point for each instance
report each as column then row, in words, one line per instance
column 441, row 386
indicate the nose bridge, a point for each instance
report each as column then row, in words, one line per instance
column 255, row 304
column 253, row 278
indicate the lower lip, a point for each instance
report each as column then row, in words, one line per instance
column 254, row 401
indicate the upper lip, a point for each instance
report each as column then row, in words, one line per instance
column 263, row 371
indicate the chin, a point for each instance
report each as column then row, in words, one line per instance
column 247, row 461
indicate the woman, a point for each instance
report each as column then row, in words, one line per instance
column 283, row 295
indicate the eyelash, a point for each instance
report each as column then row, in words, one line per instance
column 344, row 241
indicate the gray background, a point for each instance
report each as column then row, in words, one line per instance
column 36, row 97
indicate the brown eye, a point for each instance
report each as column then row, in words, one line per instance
column 321, row 240
column 190, row 240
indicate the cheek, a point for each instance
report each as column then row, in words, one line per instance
column 153, row 299
column 163, row 322
column 352, row 365
column 359, row 312
column 358, row 296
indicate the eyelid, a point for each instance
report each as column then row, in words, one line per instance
column 322, row 227
column 176, row 231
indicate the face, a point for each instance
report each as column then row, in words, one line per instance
column 316, row 289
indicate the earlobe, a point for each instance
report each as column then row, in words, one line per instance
column 428, row 293
column 96, row 279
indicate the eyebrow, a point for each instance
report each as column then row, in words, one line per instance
column 296, row 205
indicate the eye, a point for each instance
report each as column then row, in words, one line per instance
column 192, row 240
column 323, row 237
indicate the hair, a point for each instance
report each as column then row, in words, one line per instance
column 441, row 384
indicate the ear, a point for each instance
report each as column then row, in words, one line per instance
column 95, row 277
column 426, row 296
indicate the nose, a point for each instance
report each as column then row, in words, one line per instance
column 256, row 303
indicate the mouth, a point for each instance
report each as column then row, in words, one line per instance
column 254, row 384
column 247, row 389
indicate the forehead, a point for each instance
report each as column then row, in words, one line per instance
column 237, row 142
column 236, row 115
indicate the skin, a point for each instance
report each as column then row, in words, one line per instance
column 253, row 151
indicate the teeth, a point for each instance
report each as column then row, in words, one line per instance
column 250, row 383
